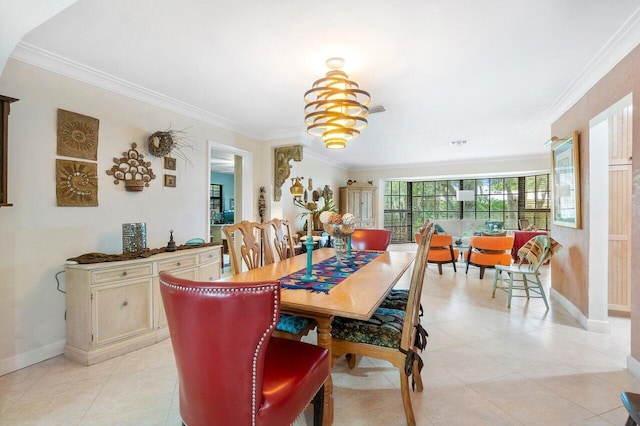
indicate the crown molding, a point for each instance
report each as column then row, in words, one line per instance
column 456, row 164
column 623, row 41
column 42, row 58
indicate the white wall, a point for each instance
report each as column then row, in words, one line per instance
column 37, row 236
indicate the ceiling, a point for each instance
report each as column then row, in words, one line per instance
column 495, row 73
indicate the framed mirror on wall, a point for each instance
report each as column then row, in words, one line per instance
column 565, row 172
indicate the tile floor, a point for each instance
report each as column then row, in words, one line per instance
column 484, row 365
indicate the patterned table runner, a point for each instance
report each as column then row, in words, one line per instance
column 328, row 276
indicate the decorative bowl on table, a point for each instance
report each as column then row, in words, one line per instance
column 339, row 231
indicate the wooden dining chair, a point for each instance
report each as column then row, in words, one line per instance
column 392, row 335
column 247, row 239
column 250, row 239
column 279, row 236
column 231, row 369
column 525, row 275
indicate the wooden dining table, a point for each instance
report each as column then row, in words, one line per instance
column 358, row 296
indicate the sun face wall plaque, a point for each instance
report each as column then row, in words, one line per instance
column 76, row 183
column 77, row 135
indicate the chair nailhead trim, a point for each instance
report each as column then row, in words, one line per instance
column 267, row 332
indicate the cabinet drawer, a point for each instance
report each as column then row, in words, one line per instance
column 209, row 272
column 122, row 273
column 187, row 274
column 179, row 263
column 211, row 256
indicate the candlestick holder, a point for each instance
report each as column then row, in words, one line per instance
column 308, row 277
column 348, row 255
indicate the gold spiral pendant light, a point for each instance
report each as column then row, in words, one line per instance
column 335, row 107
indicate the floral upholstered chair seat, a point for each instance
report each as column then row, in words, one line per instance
column 397, row 299
column 384, row 328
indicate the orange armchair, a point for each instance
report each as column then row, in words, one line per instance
column 442, row 251
column 370, row 239
column 487, row 252
column 230, row 368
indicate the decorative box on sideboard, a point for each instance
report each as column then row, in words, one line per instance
column 115, row 307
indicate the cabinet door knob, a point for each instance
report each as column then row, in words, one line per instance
column 124, row 273
column 125, row 303
column 178, row 264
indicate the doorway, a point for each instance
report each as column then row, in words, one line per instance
column 610, row 225
column 230, row 190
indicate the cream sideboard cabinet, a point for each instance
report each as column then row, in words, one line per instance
column 359, row 199
column 115, row 307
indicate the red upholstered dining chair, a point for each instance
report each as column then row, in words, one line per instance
column 370, row 239
column 231, row 370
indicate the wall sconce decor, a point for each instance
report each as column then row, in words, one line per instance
column 297, row 190
column 132, row 169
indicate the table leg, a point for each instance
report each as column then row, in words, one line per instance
column 324, row 340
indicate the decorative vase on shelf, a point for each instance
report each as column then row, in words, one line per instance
column 339, row 232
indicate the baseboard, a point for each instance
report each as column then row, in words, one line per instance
column 633, row 365
column 596, row 326
column 31, row 357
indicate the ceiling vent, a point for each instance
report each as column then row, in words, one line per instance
column 376, row 109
